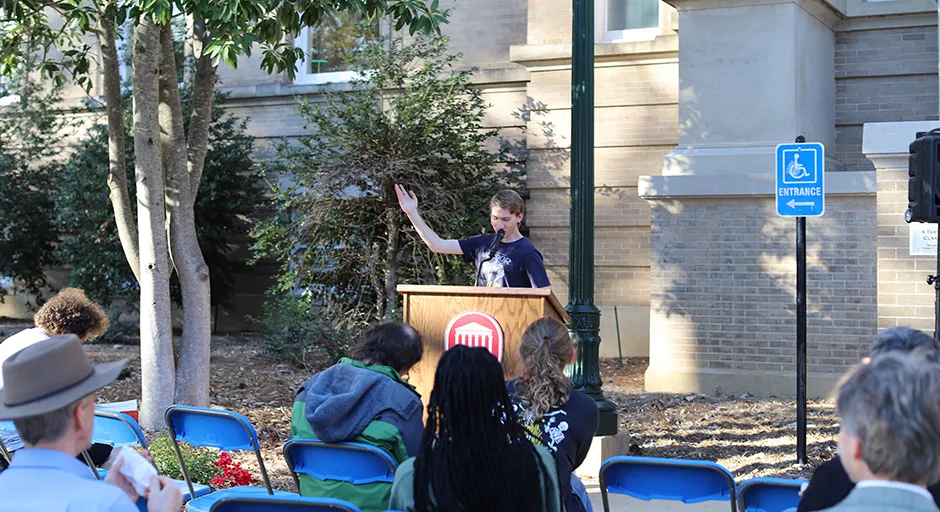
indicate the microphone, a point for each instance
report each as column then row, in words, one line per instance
column 490, row 254
column 499, row 238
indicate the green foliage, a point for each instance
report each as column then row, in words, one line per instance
column 27, row 173
column 337, row 229
column 200, row 462
column 229, row 195
column 119, row 332
column 90, row 243
column 234, row 27
column 301, row 332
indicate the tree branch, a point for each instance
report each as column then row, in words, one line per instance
column 117, row 175
column 197, row 144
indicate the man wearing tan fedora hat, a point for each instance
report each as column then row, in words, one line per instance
column 49, row 393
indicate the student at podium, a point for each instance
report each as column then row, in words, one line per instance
column 501, row 259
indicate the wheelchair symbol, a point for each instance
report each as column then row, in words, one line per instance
column 798, row 172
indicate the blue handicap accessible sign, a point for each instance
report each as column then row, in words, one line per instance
column 801, row 191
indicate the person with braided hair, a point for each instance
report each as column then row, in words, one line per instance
column 474, row 454
column 553, row 415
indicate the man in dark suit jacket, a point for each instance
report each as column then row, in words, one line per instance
column 830, row 483
column 889, row 434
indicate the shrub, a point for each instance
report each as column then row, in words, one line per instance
column 304, row 333
column 119, row 332
column 228, row 197
column 336, row 228
column 200, row 462
column 28, row 170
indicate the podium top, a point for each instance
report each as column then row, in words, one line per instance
column 486, row 291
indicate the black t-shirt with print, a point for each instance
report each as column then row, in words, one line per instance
column 566, row 431
column 515, row 264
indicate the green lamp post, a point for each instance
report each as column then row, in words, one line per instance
column 585, row 317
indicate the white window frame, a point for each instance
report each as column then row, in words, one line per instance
column 303, row 77
column 602, row 35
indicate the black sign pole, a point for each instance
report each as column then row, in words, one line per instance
column 801, row 340
column 936, row 286
column 801, row 335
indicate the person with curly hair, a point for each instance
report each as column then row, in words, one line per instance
column 67, row 312
column 71, row 312
column 553, row 415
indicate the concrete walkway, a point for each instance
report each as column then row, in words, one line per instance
column 620, row 503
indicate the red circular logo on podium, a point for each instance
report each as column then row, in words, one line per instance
column 475, row 329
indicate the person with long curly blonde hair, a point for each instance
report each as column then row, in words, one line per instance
column 553, row 414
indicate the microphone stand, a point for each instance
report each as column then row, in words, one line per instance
column 499, row 237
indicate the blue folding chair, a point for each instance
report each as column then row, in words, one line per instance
column 9, row 427
column 647, row 478
column 120, row 430
column 769, row 495
column 357, row 463
column 282, row 504
column 221, row 429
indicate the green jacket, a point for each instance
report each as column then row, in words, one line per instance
column 351, row 401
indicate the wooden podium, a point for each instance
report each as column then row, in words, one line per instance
column 432, row 310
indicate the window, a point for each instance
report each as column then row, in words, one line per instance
column 7, row 97
column 328, row 46
column 627, row 20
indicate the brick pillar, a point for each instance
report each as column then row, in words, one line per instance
column 904, row 297
column 722, row 310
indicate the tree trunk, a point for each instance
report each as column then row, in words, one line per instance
column 391, row 264
column 117, row 175
column 192, row 372
column 158, row 379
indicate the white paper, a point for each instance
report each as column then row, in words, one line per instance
column 137, row 469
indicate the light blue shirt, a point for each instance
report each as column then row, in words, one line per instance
column 52, row 481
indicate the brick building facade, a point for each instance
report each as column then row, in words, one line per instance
column 691, row 97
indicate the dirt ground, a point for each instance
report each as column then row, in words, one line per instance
column 749, row 436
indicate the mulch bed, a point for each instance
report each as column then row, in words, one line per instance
column 749, row 436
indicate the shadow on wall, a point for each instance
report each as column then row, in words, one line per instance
column 724, row 286
column 553, row 159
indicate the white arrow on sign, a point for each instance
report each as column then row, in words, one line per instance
column 793, row 203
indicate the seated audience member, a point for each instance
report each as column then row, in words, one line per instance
column 889, row 434
column 67, row 312
column 552, row 414
column 830, row 484
column 50, row 396
column 364, row 398
column 474, row 453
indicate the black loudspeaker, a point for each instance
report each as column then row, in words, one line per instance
column 923, row 184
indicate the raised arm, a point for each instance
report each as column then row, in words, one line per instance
column 409, row 205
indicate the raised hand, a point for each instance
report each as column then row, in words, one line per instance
column 406, row 199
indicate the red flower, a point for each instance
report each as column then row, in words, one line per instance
column 232, row 473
